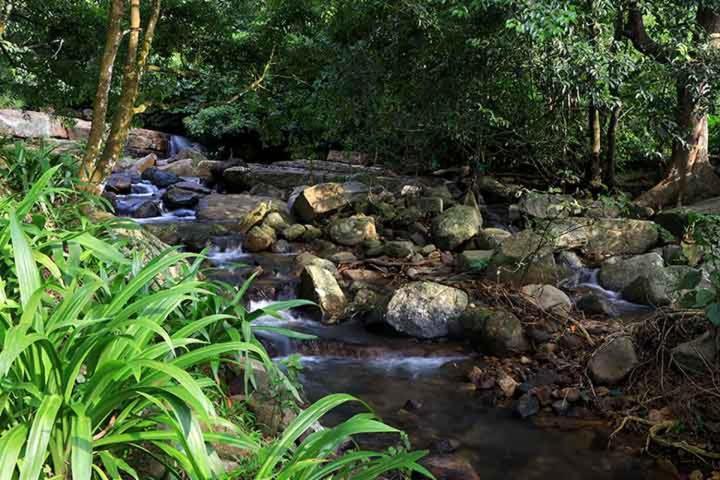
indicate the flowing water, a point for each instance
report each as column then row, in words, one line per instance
column 144, row 191
column 178, row 143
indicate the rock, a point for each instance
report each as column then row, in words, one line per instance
column 507, row 384
column 136, row 165
column 616, row 273
column 353, row 158
column 491, row 238
column 259, row 239
column 493, row 331
column 319, row 200
column 428, row 249
column 305, row 259
column 207, row 169
column 311, row 233
column 146, row 209
column 343, row 257
column 142, row 141
column 595, row 304
column 193, row 187
column 232, row 208
column 430, row 205
column 119, row 183
column 450, row 467
column 547, row 205
column 255, row 216
column 613, row 361
column 28, row 124
column 474, row 260
column 182, row 168
column 281, row 246
column 275, row 221
column 352, row 231
column 399, row 249
column 176, row 197
column 548, row 298
column 160, row 178
column 527, row 406
column 425, row 309
column 522, row 259
column 455, row 226
column 602, row 238
column 677, row 220
column 648, row 291
column 698, row 355
column 293, row 232
column 320, row 286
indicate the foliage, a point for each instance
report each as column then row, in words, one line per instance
column 705, row 232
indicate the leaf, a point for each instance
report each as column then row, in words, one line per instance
column 81, row 440
column 690, row 281
column 10, row 445
column 36, row 449
column 27, row 272
column 102, row 250
column 713, row 313
column 704, row 297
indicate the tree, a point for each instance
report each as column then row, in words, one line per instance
column 691, row 176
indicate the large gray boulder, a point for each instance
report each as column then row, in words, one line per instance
column 524, row 258
column 493, row 331
column 425, row 309
column 616, row 273
column 320, row 286
column 548, row 298
column 233, row 208
column 613, row 361
column 352, row 231
column 455, row 226
column 319, row 200
column 697, row 355
column 602, row 237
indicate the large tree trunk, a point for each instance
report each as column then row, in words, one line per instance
column 610, row 153
column 134, row 68
column 691, row 176
column 594, row 174
column 100, row 104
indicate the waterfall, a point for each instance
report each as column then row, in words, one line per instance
column 178, row 143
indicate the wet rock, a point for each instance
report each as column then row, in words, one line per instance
column 561, row 407
column 491, row 238
column 254, row 217
column 305, row 259
column 527, row 406
column 524, row 258
column 119, row 183
column 450, row 467
column 147, row 209
column 596, row 304
column 428, row 249
column 352, row 231
column 176, row 197
column 193, row 187
column 320, row 199
column 425, row 309
column 233, row 208
column 182, row 168
column 259, row 239
column 276, row 221
column 602, row 238
column 474, row 260
column 613, row 361
column 343, row 257
column 160, row 178
column 412, row 405
column 281, row 246
column 293, row 232
column 320, row 286
column 494, row 331
column 455, row 226
column 648, row 291
column 698, row 355
column 399, row 249
column 616, row 273
column 311, row 233
column 418, row 239
column 136, row 165
column 445, row 445
column 547, row 205
column 548, row 298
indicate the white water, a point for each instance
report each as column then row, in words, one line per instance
column 178, row 143
column 588, row 278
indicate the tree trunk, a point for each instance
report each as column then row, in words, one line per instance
column 594, row 173
column 691, row 176
column 611, row 151
column 134, row 69
column 100, row 105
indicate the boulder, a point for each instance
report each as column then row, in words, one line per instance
column 259, row 239
column 176, row 197
column 425, row 309
column 450, row 467
column 493, row 331
column 474, row 260
column 697, row 355
column 182, row 168
column 255, row 216
column 293, row 232
column 677, row 220
column 399, row 249
column 305, row 259
column 547, row 205
column 602, row 238
column 653, row 291
column 455, row 226
column 491, row 238
column 352, row 231
column 613, row 361
column 548, row 298
column 616, row 273
column 143, row 142
column 319, row 285
column 319, row 200
column 595, row 304
column 28, row 124
column 276, row 221
column 160, row 178
column 522, row 259
column 232, row 208
column 119, row 183
column 136, row 165
column 146, row 209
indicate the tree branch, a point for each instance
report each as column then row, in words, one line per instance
column 635, row 31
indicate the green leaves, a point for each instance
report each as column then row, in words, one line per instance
column 28, row 276
column 36, row 448
column 713, row 313
column 11, row 443
column 81, row 442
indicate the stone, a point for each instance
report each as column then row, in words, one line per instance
column 613, row 361
column 347, row 156
column 425, row 309
column 522, row 259
column 136, row 165
column 259, row 239
column 548, row 205
column 548, row 298
column 160, row 178
column 276, row 221
column 430, row 205
column 493, row 331
column 428, row 249
column 507, row 384
column 281, row 247
column 399, row 249
column 491, row 238
column 602, row 238
column 343, row 257
column 119, row 183
column 207, row 169
column 254, row 217
column 474, row 260
column 456, row 226
column 193, row 187
column 450, row 467
column 176, row 197
column 232, row 208
column 182, row 168
column 319, row 285
column 616, row 273
column 142, row 141
column 527, row 406
column 146, row 209
column 677, row 220
column 305, row 259
column 595, row 304
column 698, row 355
column 648, row 291
column 318, row 200
column 311, row 233
column 293, row 232
column 352, row 231
column 28, row 124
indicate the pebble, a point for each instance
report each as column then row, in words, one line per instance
column 527, row 406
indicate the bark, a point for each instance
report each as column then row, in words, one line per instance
column 691, row 175
column 594, row 166
column 610, row 152
column 100, row 104
column 135, row 65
